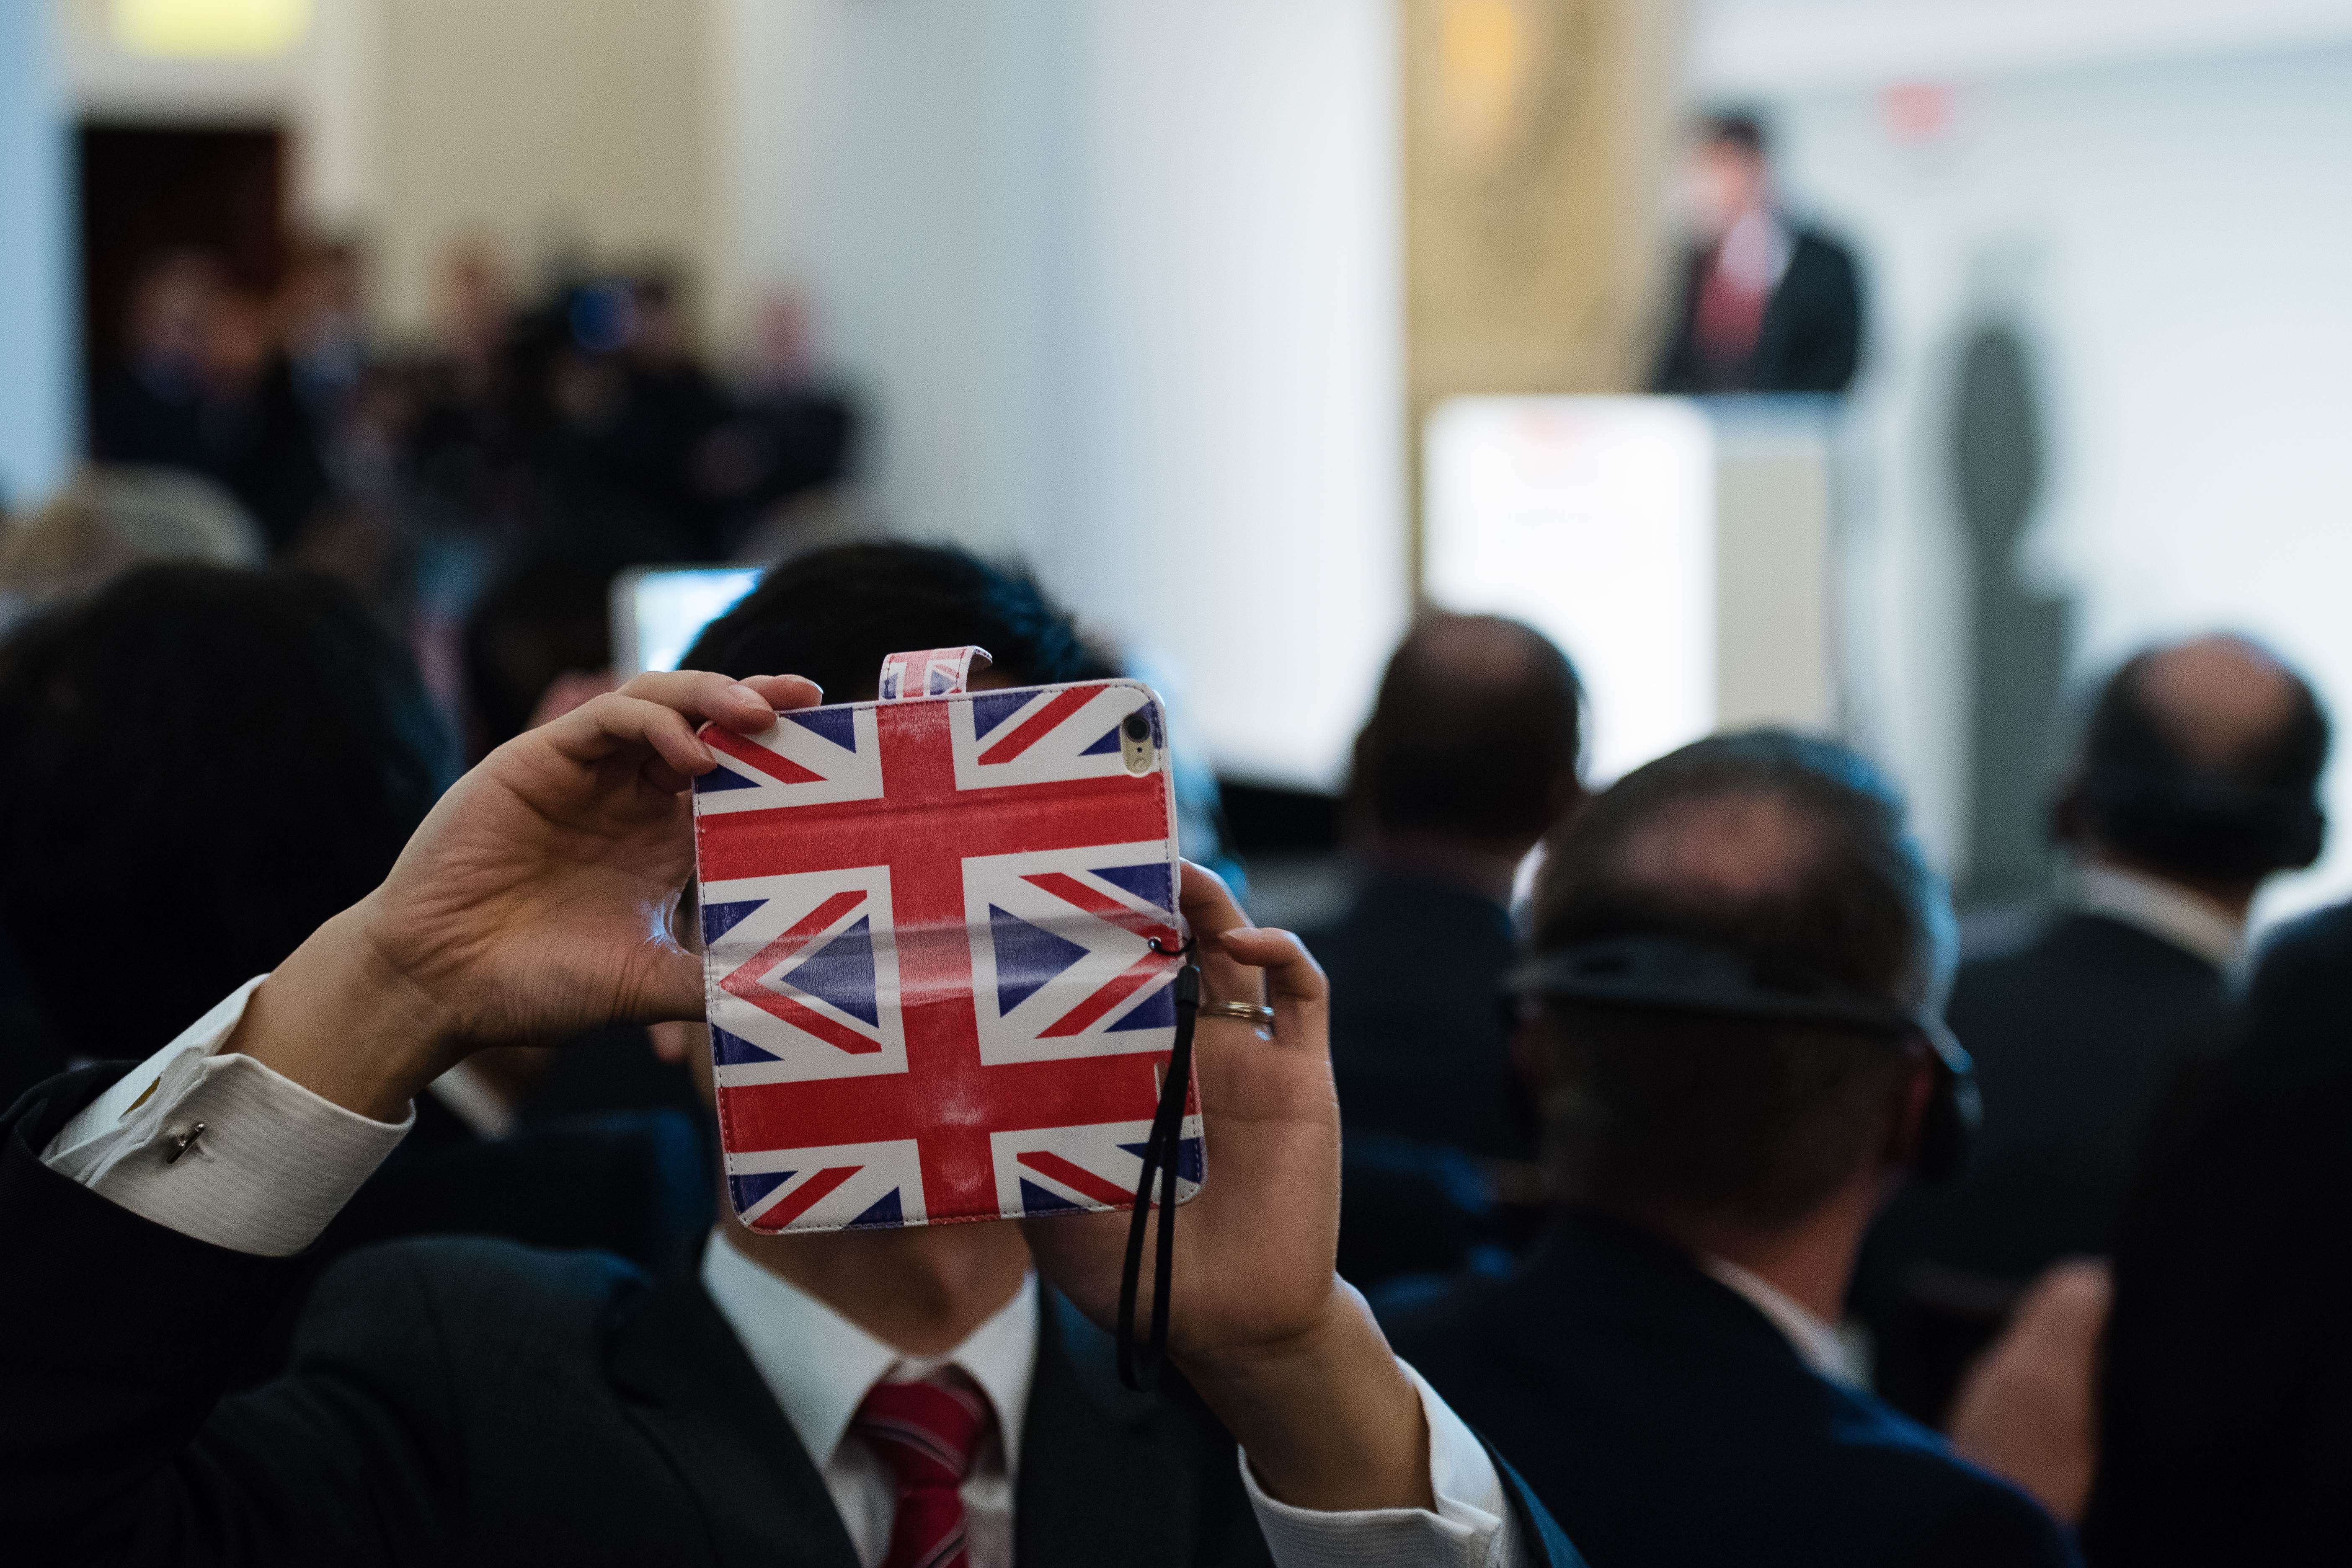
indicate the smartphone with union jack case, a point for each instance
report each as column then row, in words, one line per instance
column 940, row 945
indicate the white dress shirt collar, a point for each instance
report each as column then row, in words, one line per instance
column 1816, row 1342
column 820, row 1365
column 2164, row 909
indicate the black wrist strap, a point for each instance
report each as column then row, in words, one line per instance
column 1161, row 1156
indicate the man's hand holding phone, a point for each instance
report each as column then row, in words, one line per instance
column 1283, row 1350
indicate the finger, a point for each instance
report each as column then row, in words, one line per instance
column 1212, row 914
column 1294, row 982
column 618, row 721
column 745, row 707
column 786, row 692
column 676, row 993
column 659, row 776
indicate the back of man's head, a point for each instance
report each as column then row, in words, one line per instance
column 204, row 764
column 1792, row 856
column 1474, row 738
column 834, row 614
column 2200, row 761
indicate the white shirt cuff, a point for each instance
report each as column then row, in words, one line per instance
column 1472, row 1527
column 274, row 1162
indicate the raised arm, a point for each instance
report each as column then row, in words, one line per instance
column 137, row 1267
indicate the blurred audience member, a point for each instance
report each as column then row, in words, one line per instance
column 110, row 519
column 1470, row 755
column 158, row 852
column 209, row 389
column 259, row 439
column 2226, row 1400
column 326, row 335
column 150, row 408
column 1767, row 303
column 2197, row 780
column 1663, row 1367
column 279, row 755
column 793, row 437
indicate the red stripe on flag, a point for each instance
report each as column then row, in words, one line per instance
column 743, row 980
column 1063, row 886
column 1077, row 1178
column 1114, row 991
column 800, row 1017
column 775, row 764
column 806, row 1197
column 1032, row 729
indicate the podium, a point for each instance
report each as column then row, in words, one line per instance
column 1682, row 551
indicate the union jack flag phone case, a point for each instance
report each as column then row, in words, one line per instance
column 941, row 953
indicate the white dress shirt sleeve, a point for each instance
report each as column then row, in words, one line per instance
column 1472, row 1526
column 273, row 1163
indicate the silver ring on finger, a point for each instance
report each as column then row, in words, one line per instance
column 1247, row 1011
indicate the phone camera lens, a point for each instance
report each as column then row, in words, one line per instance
column 1136, row 730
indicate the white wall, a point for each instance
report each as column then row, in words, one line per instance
column 1120, row 281
column 2173, row 227
column 38, row 424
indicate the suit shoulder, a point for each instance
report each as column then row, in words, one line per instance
column 1820, row 246
column 1969, row 1515
column 2320, row 939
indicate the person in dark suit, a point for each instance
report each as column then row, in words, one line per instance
column 2225, row 1426
column 155, row 856
column 2195, row 781
column 1766, row 304
column 1734, row 957
column 932, row 1395
column 1470, row 753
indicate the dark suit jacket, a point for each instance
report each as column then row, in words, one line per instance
column 1664, row 1420
column 637, row 1184
column 2076, row 1032
column 1418, row 1045
column 462, row 1401
column 1811, row 338
column 2226, row 1427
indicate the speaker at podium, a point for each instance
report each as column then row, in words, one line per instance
column 1680, row 550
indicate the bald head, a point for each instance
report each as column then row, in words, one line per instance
column 1475, row 736
column 1733, row 847
column 2200, row 761
column 1789, row 851
column 2223, row 701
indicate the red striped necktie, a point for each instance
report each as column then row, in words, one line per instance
column 929, row 1433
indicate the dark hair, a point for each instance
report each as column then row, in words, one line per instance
column 833, row 613
column 2142, row 795
column 1741, row 128
column 1686, row 1116
column 1479, row 742
column 203, row 765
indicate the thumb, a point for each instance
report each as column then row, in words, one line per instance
column 673, row 990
